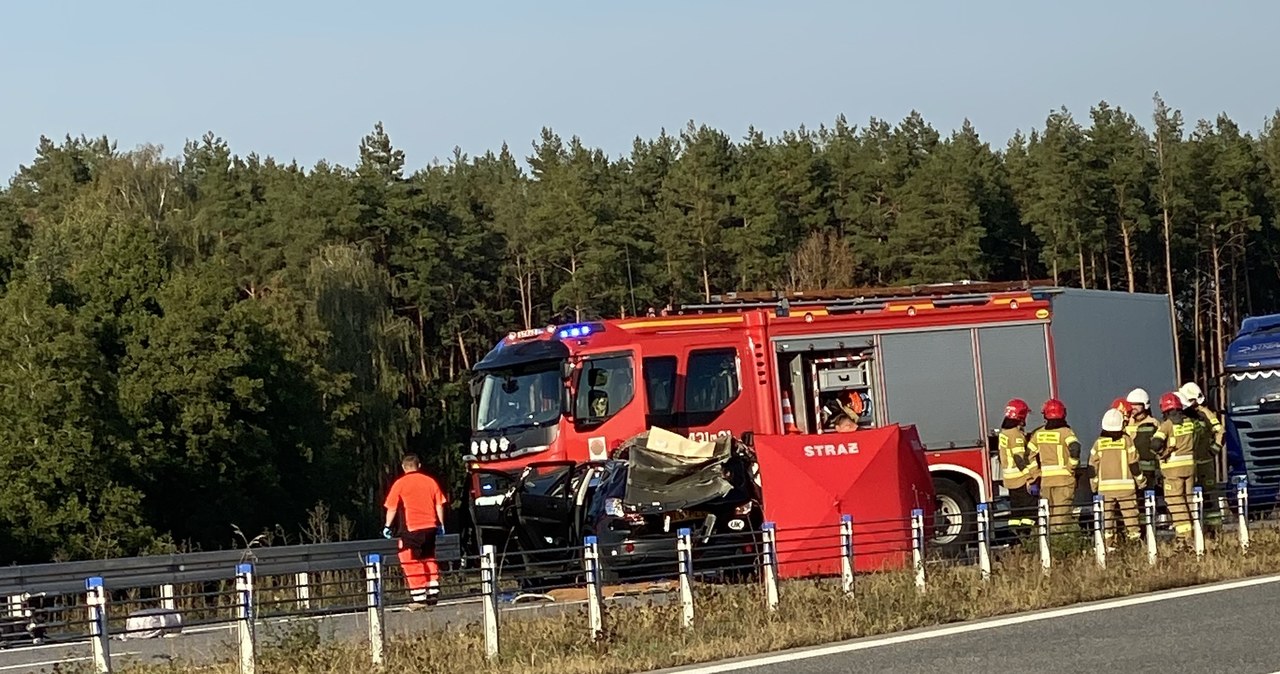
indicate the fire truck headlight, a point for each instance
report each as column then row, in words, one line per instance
column 475, row 448
column 503, row 444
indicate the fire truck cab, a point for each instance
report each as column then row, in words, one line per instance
column 944, row 358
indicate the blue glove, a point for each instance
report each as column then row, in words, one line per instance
column 386, row 533
column 440, row 530
column 1034, row 489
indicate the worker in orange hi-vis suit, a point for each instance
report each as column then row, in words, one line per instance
column 418, row 497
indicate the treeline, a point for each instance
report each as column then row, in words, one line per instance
column 205, row 340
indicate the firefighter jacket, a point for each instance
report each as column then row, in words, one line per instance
column 1115, row 466
column 1175, row 441
column 1140, row 431
column 1057, row 453
column 1016, row 470
column 1209, row 437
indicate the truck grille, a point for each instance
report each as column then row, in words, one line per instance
column 1260, row 441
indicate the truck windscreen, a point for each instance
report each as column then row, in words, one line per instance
column 1247, row 391
column 528, row 396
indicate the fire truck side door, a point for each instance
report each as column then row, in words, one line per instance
column 712, row 397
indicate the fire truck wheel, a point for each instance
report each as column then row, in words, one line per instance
column 954, row 519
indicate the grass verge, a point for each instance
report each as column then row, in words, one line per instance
column 731, row 620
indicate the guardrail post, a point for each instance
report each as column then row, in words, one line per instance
column 770, row 549
column 1242, row 512
column 1099, row 531
column 684, row 558
column 917, row 547
column 489, row 600
column 96, row 600
column 244, row 614
column 377, row 629
column 591, row 569
column 167, row 601
column 302, row 589
column 1197, row 520
column 1042, row 532
column 846, row 553
column 984, row 541
column 1149, row 507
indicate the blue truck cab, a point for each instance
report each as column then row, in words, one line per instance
column 1252, row 379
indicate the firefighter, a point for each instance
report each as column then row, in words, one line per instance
column 1016, row 471
column 1116, row 474
column 1056, row 453
column 418, row 497
column 1174, row 443
column 843, row 424
column 1208, row 448
column 1140, row 429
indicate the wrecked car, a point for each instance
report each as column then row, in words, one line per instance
column 635, row 503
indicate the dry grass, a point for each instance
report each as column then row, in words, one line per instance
column 731, row 620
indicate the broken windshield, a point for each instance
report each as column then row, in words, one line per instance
column 529, row 396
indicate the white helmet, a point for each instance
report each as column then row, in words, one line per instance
column 1139, row 396
column 1192, row 393
column 1113, row 421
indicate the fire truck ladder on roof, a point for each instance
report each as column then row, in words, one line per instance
column 841, row 300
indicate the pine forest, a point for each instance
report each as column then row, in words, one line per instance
column 206, row 342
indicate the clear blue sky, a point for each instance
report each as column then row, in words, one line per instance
column 305, row 80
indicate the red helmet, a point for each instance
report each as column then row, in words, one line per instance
column 1054, row 410
column 1016, row 409
column 1122, row 405
column 1170, row 402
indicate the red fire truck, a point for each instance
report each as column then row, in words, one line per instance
column 944, row 358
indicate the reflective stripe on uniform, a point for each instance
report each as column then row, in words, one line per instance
column 1063, row 464
column 1181, row 456
column 1008, row 451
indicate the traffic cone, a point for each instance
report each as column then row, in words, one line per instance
column 788, row 418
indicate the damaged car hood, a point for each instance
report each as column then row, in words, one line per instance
column 664, row 481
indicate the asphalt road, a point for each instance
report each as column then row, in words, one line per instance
column 1225, row 627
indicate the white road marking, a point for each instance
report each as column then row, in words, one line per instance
column 865, row 644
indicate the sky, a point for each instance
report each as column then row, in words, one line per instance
column 306, row 80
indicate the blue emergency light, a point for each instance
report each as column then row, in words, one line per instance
column 580, row 330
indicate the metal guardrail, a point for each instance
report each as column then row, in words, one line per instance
column 194, row 567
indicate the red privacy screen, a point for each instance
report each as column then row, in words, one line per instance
column 809, row 481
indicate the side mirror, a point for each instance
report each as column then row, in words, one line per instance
column 566, row 370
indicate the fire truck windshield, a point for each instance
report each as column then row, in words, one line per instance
column 522, row 397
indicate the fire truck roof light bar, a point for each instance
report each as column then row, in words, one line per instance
column 851, row 300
